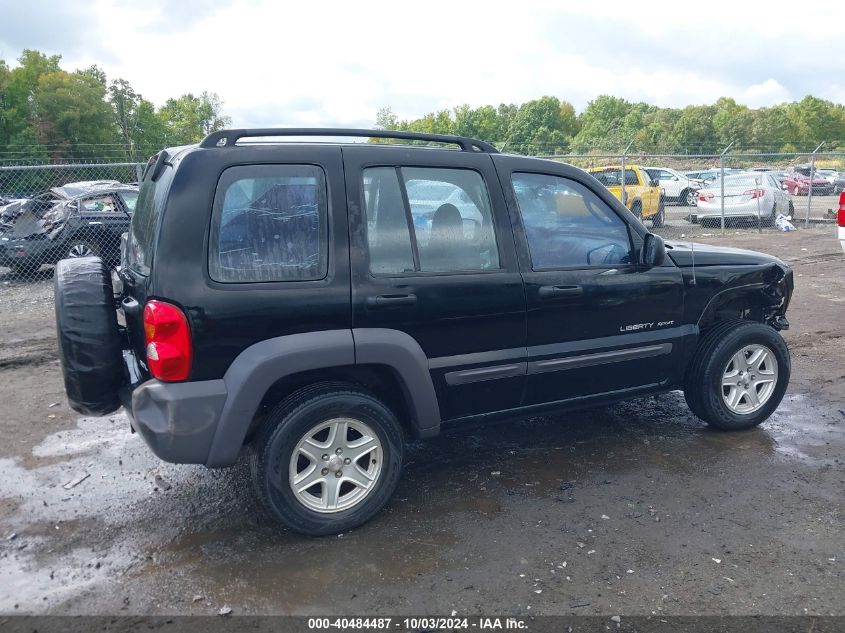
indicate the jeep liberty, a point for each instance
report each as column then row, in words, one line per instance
column 315, row 304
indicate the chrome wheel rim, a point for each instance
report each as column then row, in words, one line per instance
column 335, row 465
column 691, row 198
column 749, row 379
column 80, row 250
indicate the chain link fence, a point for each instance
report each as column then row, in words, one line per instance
column 682, row 196
column 49, row 212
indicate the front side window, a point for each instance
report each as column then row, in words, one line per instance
column 426, row 219
column 100, row 204
column 567, row 225
column 269, row 223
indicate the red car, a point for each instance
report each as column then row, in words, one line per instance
column 797, row 182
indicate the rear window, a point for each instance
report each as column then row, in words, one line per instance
column 269, row 223
column 142, row 231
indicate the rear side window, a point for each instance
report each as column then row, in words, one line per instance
column 269, row 223
column 142, row 232
column 428, row 219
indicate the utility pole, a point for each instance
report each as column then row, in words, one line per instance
column 722, row 181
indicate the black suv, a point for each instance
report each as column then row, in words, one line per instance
column 76, row 220
column 322, row 302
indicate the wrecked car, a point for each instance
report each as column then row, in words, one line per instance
column 76, row 220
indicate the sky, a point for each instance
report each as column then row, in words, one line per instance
column 326, row 63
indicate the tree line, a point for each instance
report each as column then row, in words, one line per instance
column 548, row 125
column 48, row 115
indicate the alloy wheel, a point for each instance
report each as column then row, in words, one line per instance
column 749, row 379
column 335, row 465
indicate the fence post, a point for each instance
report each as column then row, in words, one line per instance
column 810, row 190
column 622, row 194
column 722, row 182
column 139, row 172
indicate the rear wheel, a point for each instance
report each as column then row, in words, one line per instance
column 738, row 375
column 327, row 459
column 688, row 197
column 659, row 218
column 791, row 207
column 637, row 209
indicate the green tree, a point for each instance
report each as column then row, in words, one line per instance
column 188, row 119
column 21, row 84
column 70, row 113
column 602, row 125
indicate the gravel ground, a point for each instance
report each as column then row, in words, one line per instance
column 636, row 508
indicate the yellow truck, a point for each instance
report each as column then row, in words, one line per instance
column 642, row 196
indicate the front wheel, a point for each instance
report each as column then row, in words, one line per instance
column 327, row 459
column 796, row 191
column 738, row 375
column 689, row 197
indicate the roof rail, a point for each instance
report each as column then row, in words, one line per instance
column 228, row 138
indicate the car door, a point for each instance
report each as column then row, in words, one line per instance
column 598, row 323
column 102, row 218
column 433, row 256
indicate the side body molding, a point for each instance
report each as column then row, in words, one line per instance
column 398, row 350
column 257, row 368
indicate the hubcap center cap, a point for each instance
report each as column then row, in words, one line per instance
column 335, row 463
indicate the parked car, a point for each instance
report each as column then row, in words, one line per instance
column 76, row 220
column 835, row 178
column 706, row 175
column 642, row 194
column 797, row 182
column 326, row 333
column 840, row 220
column 751, row 196
column 676, row 186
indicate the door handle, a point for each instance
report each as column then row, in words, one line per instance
column 556, row 292
column 390, row 301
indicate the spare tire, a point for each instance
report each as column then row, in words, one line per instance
column 89, row 339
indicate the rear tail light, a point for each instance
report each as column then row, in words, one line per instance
column 841, row 214
column 704, row 196
column 168, row 338
column 755, row 193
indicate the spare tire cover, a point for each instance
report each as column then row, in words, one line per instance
column 89, row 339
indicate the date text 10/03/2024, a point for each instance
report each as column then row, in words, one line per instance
column 412, row 623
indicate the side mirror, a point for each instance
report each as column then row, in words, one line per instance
column 654, row 183
column 653, row 252
column 675, row 178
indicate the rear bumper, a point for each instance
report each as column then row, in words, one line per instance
column 744, row 210
column 177, row 420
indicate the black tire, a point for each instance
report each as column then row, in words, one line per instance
column 791, row 208
column 769, row 220
column 703, row 380
column 659, row 218
column 796, row 191
column 289, row 422
column 89, row 341
column 637, row 209
column 687, row 198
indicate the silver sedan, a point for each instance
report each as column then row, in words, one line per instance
column 748, row 196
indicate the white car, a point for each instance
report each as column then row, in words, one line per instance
column 749, row 196
column 676, row 186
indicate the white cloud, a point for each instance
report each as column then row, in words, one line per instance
column 336, row 63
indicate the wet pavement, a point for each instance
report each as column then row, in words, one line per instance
column 637, row 508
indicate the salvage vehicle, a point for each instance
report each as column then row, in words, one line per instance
column 76, row 220
column 752, row 196
column 676, row 186
column 642, row 194
column 276, row 298
column 840, row 220
column 797, row 181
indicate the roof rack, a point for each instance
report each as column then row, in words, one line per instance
column 228, row 138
